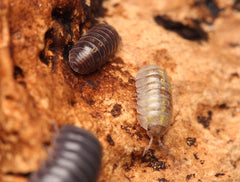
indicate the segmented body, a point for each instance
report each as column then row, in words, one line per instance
column 94, row 49
column 154, row 100
column 76, row 157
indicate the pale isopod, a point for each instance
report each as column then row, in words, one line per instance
column 154, row 101
column 76, row 156
column 94, row 49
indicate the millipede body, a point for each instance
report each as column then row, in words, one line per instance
column 76, row 157
column 94, row 49
column 154, row 101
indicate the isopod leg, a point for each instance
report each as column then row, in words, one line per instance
column 55, row 130
column 149, row 145
column 55, row 126
column 134, row 96
column 133, row 107
column 164, row 147
column 101, row 21
column 132, row 78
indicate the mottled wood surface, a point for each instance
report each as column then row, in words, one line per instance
column 196, row 42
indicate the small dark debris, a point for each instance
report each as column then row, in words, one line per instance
column 190, row 141
column 126, row 167
column 157, row 165
column 126, row 129
column 44, row 59
column 129, row 179
column 189, row 176
column 18, row 73
column 190, row 33
column 205, row 121
column 139, row 135
column 132, row 159
column 195, row 156
column 218, row 130
column 131, row 80
column 90, row 102
column 153, row 161
column 149, row 156
column 202, row 162
column 97, row 8
column 67, row 48
column 123, row 127
column 73, row 102
column 234, row 164
column 25, row 175
column 9, row 97
column 116, row 5
column 92, row 84
column 23, row 84
column 223, row 106
column 210, row 115
column 219, row 174
column 236, row 5
column 230, row 141
column 235, row 75
column 163, row 180
column 114, row 167
column 213, row 7
column 96, row 115
column 233, row 44
column 110, row 140
column 63, row 15
column 116, row 110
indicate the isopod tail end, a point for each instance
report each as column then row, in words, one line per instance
column 74, row 66
column 149, row 145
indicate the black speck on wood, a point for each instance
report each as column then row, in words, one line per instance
column 116, row 110
column 110, row 140
column 190, row 141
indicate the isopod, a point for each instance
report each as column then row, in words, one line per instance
column 154, row 102
column 94, row 49
column 76, row 157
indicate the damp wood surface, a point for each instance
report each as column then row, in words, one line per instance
column 196, row 42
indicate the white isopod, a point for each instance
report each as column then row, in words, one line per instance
column 154, row 102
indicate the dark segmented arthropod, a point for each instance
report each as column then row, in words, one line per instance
column 76, row 157
column 154, row 101
column 94, row 48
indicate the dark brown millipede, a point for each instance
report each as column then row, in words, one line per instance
column 154, row 101
column 76, row 156
column 94, row 49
